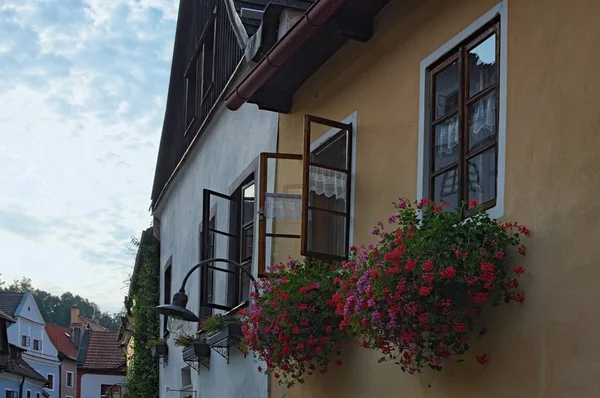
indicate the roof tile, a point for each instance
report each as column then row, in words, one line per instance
column 59, row 336
column 104, row 351
column 9, row 302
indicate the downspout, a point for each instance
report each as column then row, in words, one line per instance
column 282, row 51
column 21, row 386
column 60, row 380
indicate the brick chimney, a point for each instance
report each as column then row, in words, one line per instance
column 74, row 315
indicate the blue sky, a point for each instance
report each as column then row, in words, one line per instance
column 82, row 91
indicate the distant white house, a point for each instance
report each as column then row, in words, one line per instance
column 29, row 334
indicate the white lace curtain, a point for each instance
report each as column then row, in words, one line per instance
column 283, row 206
column 321, row 181
column 484, row 116
column 327, row 182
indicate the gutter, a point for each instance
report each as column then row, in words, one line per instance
column 282, row 51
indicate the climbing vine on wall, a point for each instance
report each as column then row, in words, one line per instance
column 144, row 295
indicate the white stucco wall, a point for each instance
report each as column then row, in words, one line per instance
column 91, row 384
column 227, row 148
column 31, row 323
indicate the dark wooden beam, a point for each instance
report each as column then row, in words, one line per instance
column 353, row 27
column 271, row 100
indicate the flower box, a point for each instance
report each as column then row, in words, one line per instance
column 229, row 331
column 160, row 350
column 197, row 351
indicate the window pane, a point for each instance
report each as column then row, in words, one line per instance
column 446, row 90
column 482, row 65
column 482, row 121
column 326, row 233
column 446, row 143
column 482, row 176
column 332, row 153
column 446, row 188
column 248, row 208
column 247, row 242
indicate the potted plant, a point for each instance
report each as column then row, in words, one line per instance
column 194, row 347
column 159, row 348
column 220, row 329
column 291, row 324
column 417, row 294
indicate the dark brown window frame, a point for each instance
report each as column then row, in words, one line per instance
column 37, row 345
column 207, row 275
column 25, row 341
column 348, row 129
column 459, row 54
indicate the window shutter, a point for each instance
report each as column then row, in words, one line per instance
column 212, row 235
column 326, row 190
column 274, row 205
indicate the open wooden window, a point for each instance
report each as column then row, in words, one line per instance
column 463, row 123
column 207, row 277
column 278, row 208
column 326, row 191
column 216, row 238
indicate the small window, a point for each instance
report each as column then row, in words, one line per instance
column 50, row 378
column 37, row 395
column 37, row 345
column 167, row 296
column 326, row 189
column 208, row 59
column 190, row 100
column 12, row 394
column 69, row 380
column 110, row 391
column 25, row 341
column 463, row 121
column 28, row 394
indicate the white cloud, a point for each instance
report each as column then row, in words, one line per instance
column 82, row 91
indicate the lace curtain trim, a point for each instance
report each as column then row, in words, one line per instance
column 483, row 117
column 327, row 182
column 283, row 206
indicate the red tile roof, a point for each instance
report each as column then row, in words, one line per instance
column 103, row 351
column 59, row 337
column 89, row 323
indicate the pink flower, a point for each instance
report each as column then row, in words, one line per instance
column 448, row 273
column 427, row 266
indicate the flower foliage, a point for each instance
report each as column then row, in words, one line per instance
column 292, row 325
column 417, row 293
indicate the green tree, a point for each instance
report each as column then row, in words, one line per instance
column 57, row 309
column 144, row 293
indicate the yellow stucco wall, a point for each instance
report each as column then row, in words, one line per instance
column 548, row 347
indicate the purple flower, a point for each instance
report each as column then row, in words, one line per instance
column 392, row 219
column 371, row 302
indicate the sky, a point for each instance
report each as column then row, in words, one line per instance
column 83, row 86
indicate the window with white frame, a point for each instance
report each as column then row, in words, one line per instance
column 50, row 378
column 25, row 341
column 37, row 345
column 69, row 379
column 11, row 394
column 463, row 118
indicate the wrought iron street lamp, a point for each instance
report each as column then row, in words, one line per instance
column 177, row 309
